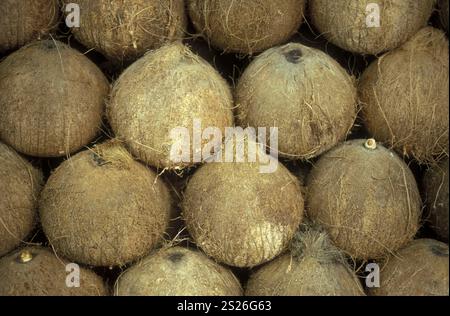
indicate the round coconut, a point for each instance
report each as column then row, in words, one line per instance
column 436, row 191
column 177, row 271
column 443, row 13
column 36, row 271
column 366, row 197
column 20, row 184
column 415, row 79
column 249, row 26
column 369, row 26
column 240, row 215
column 103, row 208
column 51, row 100
column 26, row 20
column 420, row 269
column 166, row 90
column 314, row 267
column 302, row 91
column 124, row 30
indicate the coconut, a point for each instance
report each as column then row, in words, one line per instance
column 240, row 215
column 443, row 13
column 26, row 20
column 177, row 271
column 313, row 267
column 124, row 30
column 51, row 100
column 415, row 79
column 20, row 184
column 420, row 269
column 167, row 89
column 36, row 271
column 249, row 26
column 369, row 26
column 436, row 191
column 366, row 197
column 303, row 92
column 103, row 208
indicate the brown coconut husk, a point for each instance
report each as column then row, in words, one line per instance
column 103, row 208
column 246, row 26
column 313, row 267
column 166, row 89
column 443, row 13
column 177, row 271
column 344, row 23
column 20, row 184
column 36, row 271
column 124, row 30
column 436, row 193
column 419, row 269
column 52, row 99
column 405, row 97
column 25, row 21
column 366, row 197
column 303, row 92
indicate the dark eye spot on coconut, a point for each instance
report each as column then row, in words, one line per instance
column 48, row 44
column 99, row 160
column 175, row 257
column 439, row 251
column 293, row 56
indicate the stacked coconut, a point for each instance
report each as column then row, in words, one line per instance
column 93, row 171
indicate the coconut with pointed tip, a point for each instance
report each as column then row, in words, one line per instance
column 124, row 30
column 103, row 208
column 20, row 184
column 249, row 26
column 36, row 271
column 302, row 91
column 369, row 26
column 366, row 197
column 419, row 269
column 51, row 99
column 177, row 271
column 405, row 97
column 313, row 267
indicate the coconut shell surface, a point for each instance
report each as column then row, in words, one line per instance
column 369, row 26
column 404, row 96
column 36, row 271
column 103, row 208
column 436, row 191
column 313, row 267
column 51, row 99
column 26, row 20
column 124, row 30
column 248, row 26
column 20, row 184
column 166, row 89
column 177, row 271
column 419, row 269
column 366, row 198
column 303, row 92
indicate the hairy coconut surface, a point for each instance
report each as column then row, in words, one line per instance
column 420, row 269
column 405, row 97
column 51, row 99
column 314, row 267
column 20, row 184
column 443, row 13
column 167, row 88
column 26, row 20
column 239, row 215
column 36, row 271
column 436, row 191
column 352, row 25
column 177, row 271
column 303, row 92
column 103, row 208
column 246, row 26
column 124, row 30
column 366, row 197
